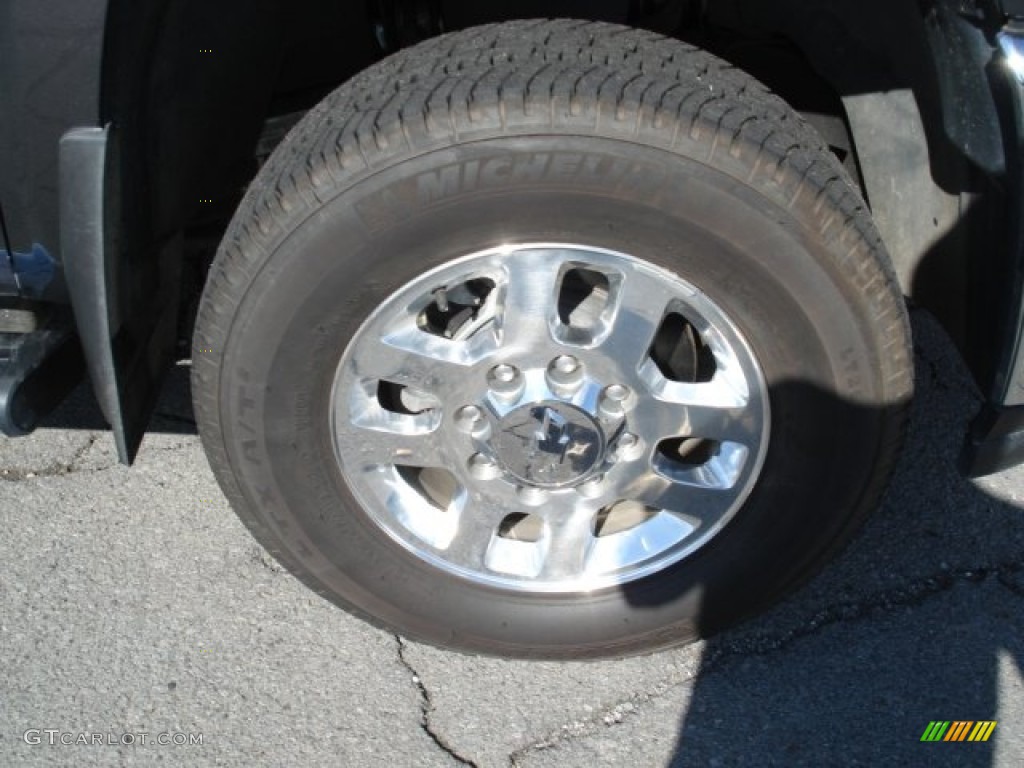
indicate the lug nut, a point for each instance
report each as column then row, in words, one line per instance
column 530, row 496
column 592, row 488
column 613, row 401
column 469, row 418
column 627, row 447
column 565, row 373
column 483, row 467
column 505, row 381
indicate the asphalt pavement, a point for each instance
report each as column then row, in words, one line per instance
column 141, row 625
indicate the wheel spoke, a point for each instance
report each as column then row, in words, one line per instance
column 382, row 447
column 571, row 540
column 528, row 297
column 478, row 525
column 639, row 301
column 401, row 356
column 419, row 351
column 699, row 417
column 698, row 505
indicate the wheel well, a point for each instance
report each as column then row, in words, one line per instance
column 192, row 91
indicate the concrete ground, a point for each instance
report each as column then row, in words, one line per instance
column 132, row 602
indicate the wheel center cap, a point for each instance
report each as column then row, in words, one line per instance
column 548, row 444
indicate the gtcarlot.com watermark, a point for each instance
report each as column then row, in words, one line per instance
column 55, row 737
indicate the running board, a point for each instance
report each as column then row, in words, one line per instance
column 37, row 371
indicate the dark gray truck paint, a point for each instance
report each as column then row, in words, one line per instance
column 50, row 63
column 50, row 70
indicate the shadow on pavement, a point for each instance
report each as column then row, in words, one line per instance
column 915, row 622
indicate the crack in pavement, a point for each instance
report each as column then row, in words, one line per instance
column 51, row 470
column 1007, row 575
column 941, row 375
column 71, row 467
column 610, row 717
column 934, row 375
column 1012, row 578
column 913, row 594
column 427, row 707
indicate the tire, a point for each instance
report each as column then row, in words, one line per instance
column 472, row 270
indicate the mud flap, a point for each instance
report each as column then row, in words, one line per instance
column 125, row 305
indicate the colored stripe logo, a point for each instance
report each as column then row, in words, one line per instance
column 958, row 730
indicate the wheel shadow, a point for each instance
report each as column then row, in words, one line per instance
column 917, row 621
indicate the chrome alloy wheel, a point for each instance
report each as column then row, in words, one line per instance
column 549, row 418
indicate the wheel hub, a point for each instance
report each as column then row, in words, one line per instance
column 549, row 444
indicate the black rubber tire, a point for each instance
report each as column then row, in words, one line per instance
column 553, row 131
